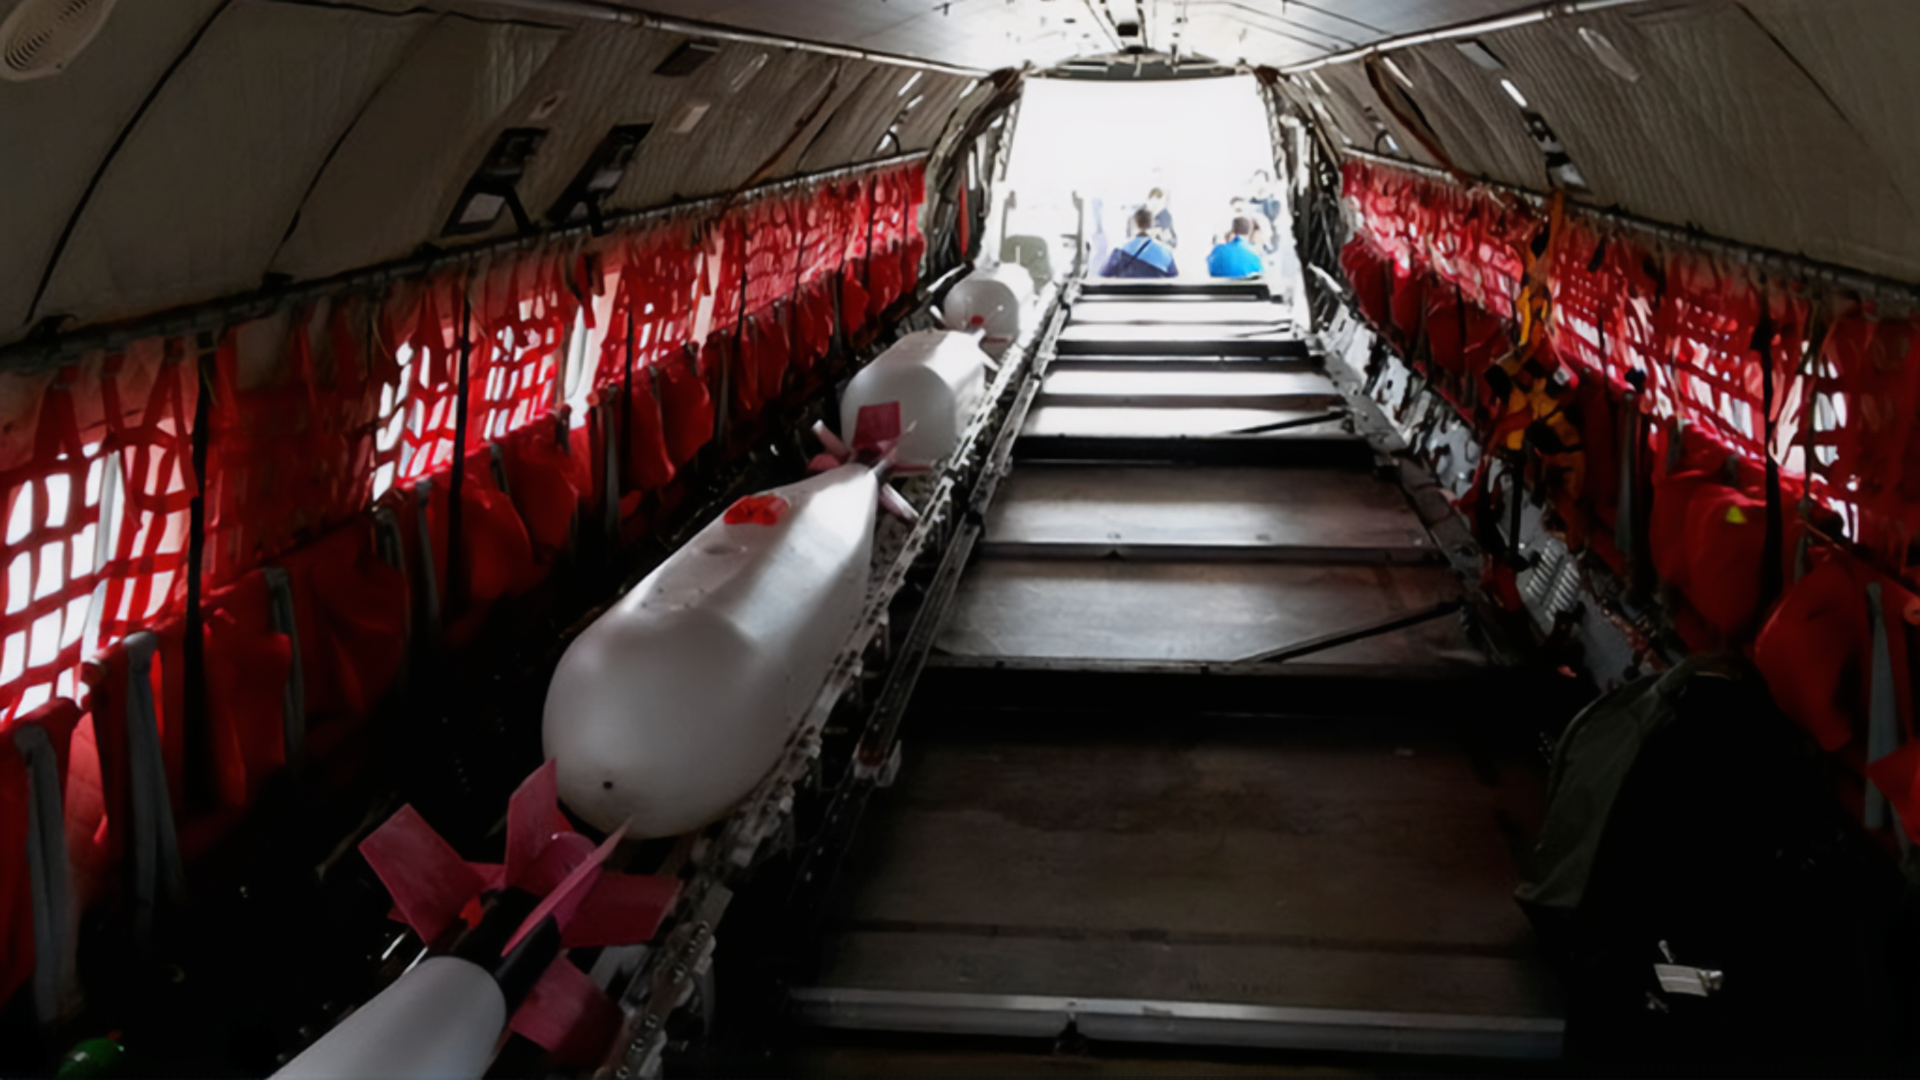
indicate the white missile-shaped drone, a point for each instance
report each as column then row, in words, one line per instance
column 671, row 707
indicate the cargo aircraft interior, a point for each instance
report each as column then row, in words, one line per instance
column 671, row 538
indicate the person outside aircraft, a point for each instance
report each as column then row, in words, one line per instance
column 1142, row 256
column 1236, row 257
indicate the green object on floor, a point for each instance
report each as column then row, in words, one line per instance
column 92, row 1057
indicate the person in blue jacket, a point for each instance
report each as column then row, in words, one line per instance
column 1236, row 257
column 1142, row 256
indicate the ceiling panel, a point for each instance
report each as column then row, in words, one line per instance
column 61, row 128
column 1008, row 33
column 212, row 176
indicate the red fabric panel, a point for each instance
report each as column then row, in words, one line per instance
column 1409, row 305
column 549, row 479
column 854, row 299
column 813, row 324
column 1814, row 649
column 1593, row 413
column 765, row 345
column 1371, row 277
column 1725, row 537
column 352, row 611
column 499, row 551
column 247, row 665
column 884, row 281
column 649, row 465
column 686, row 406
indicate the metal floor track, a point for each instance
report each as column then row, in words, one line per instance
column 1198, row 756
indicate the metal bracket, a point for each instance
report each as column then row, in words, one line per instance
column 293, row 703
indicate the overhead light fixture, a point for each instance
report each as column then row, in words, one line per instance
column 1513, row 92
column 1394, row 70
column 599, row 176
column 1480, row 54
column 1561, row 171
column 1609, row 54
column 492, row 187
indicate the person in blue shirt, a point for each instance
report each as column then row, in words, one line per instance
column 1142, row 256
column 1236, row 257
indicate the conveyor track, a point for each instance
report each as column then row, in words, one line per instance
column 1200, row 754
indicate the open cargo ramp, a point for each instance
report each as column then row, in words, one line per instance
column 1198, row 758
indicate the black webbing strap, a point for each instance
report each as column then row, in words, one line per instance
column 626, row 385
column 456, row 599
column 199, row 791
column 1772, row 553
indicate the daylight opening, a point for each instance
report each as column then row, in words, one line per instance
column 1088, row 156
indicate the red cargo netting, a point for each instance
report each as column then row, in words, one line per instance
column 321, row 554
column 320, row 413
column 1731, row 367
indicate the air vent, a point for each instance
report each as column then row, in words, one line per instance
column 687, row 59
column 1609, row 54
column 1480, row 54
column 41, row 37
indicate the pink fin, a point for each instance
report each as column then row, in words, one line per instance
column 429, row 881
column 568, row 1015
column 533, row 820
column 565, row 898
column 621, row 909
column 562, row 857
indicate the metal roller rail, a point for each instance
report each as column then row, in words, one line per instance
column 667, row 978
